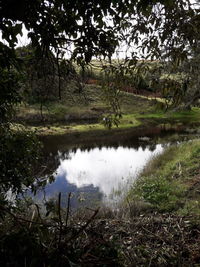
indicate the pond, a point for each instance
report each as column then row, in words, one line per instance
column 101, row 174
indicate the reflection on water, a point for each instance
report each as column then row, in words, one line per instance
column 99, row 173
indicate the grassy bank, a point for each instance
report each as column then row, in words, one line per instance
column 79, row 113
column 128, row 121
column 171, row 181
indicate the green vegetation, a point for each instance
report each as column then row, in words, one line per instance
column 170, row 182
column 83, row 112
column 65, row 117
column 51, row 85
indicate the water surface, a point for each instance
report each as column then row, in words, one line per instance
column 101, row 171
column 99, row 174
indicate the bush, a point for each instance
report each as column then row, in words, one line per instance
column 19, row 153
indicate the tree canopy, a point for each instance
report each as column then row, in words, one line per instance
column 97, row 27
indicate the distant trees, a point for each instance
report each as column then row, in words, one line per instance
column 40, row 75
column 180, row 82
column 191, row 83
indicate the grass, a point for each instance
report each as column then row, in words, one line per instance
column 58, row 129
column 171, row 181
column 84, row 112
column 192, row 115
column 91, row 101
column 72, row 104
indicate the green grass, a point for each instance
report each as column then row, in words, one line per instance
column 171, row 181
column 192, row 116
column 73, row 104
column 74, row 114
column 75, row 111
column 127, row 122
column 92, row 101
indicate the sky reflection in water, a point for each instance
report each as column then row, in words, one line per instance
column 108, row 169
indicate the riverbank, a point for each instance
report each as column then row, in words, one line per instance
column 79, row 113
column 129, row 121
column 87, row 107
column 171, row 181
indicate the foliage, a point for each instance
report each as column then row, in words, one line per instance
column 45, row 78
column 59, row 24
column 125, row 75
column 54, row 27
column 19, row 153
column 9, row 95
column 64, row 239
column 191, row 82
column 179, row 82
column 40, row 75
column 96, row 28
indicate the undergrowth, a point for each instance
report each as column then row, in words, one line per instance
column 62, row 238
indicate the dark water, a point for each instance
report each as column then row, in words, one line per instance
column 102, row 173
